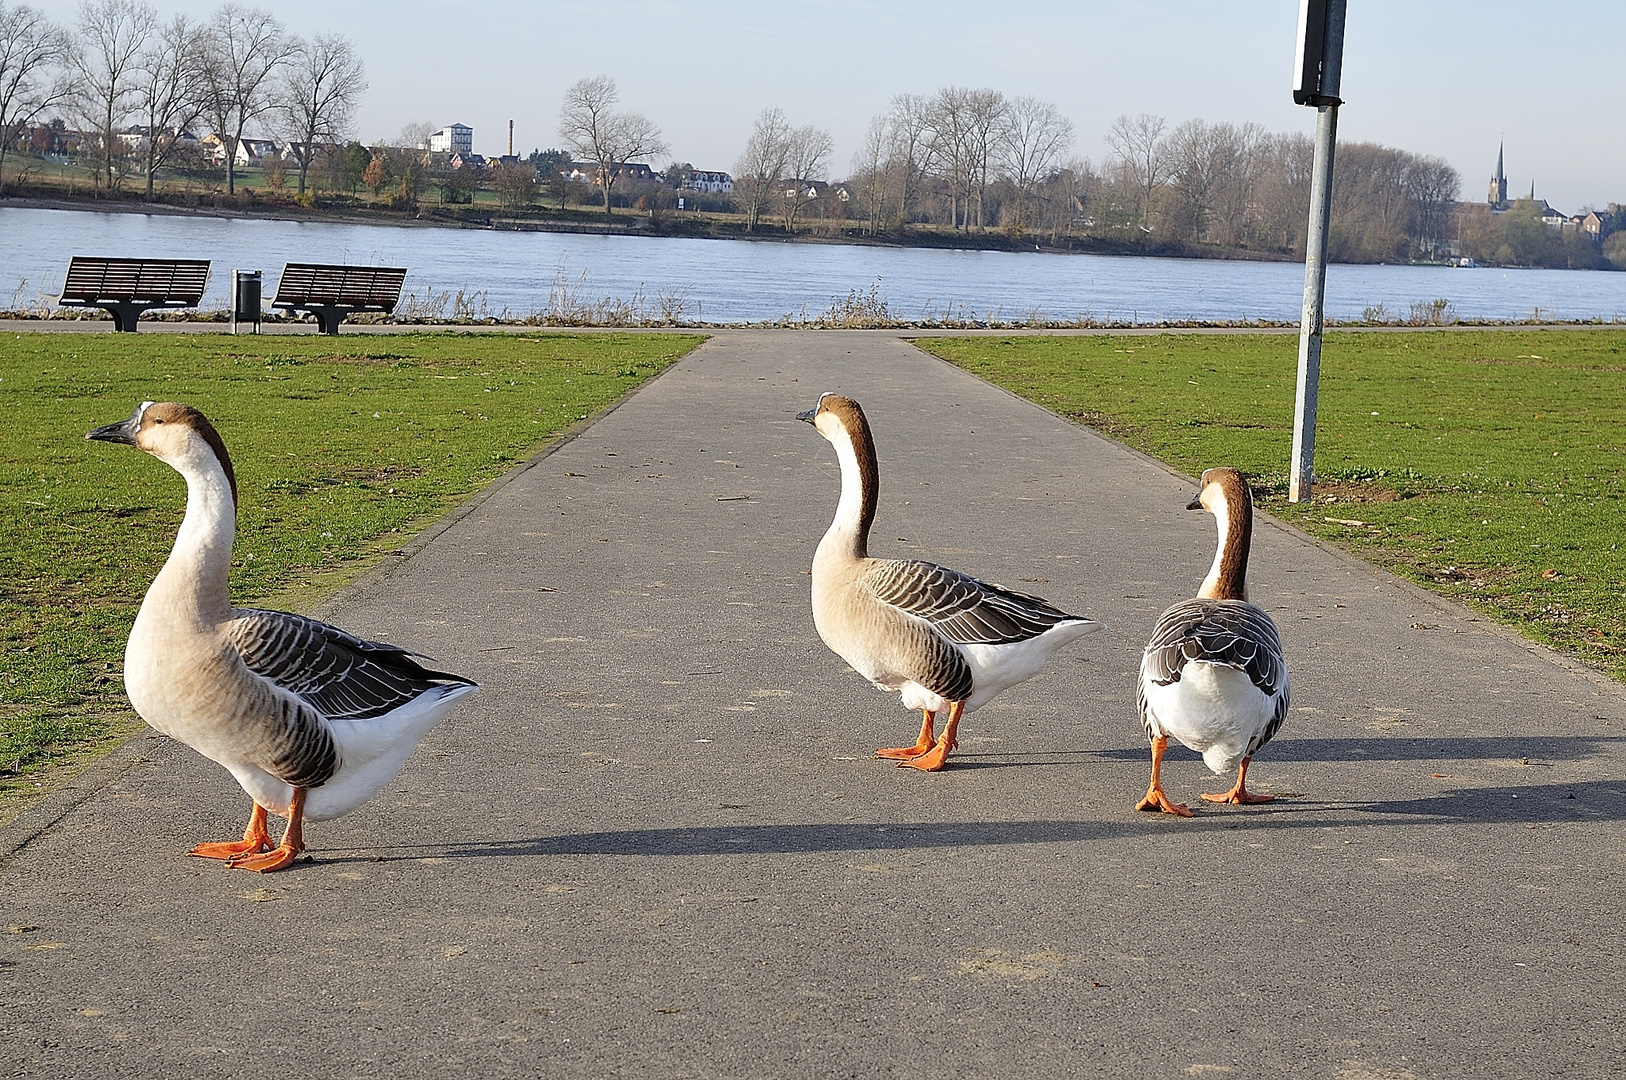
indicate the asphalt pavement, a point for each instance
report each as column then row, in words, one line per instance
column 656, row 843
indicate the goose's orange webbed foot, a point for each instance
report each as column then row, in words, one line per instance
column 935, row 758
column 1239, row 795
column 255, row 840
column 278, row 858
column 922, row 744
column 1157, row 800
column 284, row 854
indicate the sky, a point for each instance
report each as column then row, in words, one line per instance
column 1438, row 77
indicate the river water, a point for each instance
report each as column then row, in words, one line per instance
column 515, row 273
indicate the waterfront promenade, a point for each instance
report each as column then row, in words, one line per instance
column 656, row 843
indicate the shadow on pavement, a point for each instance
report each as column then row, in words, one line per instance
column 1535, row 805
column 1383, row 748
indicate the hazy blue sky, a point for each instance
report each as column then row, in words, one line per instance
column 1440, row 77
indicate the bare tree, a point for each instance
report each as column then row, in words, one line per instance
column 245, row 48
column 320, row 89
column 514, row 185
column 1138, row 143
column 869, row 174
column 1434, row 187
column 1033, row 139
column 592, row 130
column 113, row 35
column 807, row 158
column 985, row 113
column 760, row 170
column 31, row 51
column 413, row 136
column 949, row 117
column 910, row 152
column 169, row 90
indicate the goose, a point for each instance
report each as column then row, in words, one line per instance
column 945, row 640
column 310, row 720
column 1213, row 675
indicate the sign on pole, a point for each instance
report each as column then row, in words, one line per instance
column 1315, row 83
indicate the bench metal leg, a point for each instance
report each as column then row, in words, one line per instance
column 124, row 315
column 329, row 318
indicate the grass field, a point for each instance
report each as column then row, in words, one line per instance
column 342, row 449
column 1483, row 465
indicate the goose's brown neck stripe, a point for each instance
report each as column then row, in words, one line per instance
column 1229, row 580
column 856, row 426
column 173, row 412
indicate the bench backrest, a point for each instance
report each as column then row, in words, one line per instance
column 375, row 288
column 158, row 281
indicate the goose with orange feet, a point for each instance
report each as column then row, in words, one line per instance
column 946, row 641
column 310, row 720
column 1213, row 675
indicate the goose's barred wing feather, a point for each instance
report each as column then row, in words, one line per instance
column 1230, row 632
column 342, row 676
column 963, row 609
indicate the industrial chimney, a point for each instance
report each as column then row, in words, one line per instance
column 510, row 138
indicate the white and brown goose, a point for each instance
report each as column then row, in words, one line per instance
column 941, row 638
column 312, row 721
column 1213, row 675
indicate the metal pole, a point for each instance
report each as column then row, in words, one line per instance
column 1310, row 323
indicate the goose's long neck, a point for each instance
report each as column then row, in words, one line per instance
column 192, row 586
column 1228, row 578
column 848, row 535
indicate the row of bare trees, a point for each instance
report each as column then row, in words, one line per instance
column 1240, row 186
column 976, row 159
column 780, row 165
column 123, row 65
column 956, row 143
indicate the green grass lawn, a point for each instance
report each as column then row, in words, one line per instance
column 342, row 448
column 1483, row 465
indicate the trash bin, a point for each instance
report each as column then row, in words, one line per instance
column 245, row 299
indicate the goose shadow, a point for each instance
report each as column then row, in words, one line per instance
column 1388, row 748
column 1533, row 805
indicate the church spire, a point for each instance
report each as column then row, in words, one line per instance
column 1497, row 196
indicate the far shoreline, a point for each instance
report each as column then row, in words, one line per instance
column 667, row 227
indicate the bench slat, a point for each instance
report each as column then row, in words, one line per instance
column 365, row 288
column 179, row 282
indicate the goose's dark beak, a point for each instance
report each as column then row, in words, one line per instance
column 1196, row 502
column 808, row 415
column 122, row 432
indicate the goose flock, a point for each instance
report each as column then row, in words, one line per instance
column 313, row 721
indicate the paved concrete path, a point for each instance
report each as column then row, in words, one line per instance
column 656, row 844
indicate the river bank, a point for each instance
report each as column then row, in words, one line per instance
column 484, row 275
column 251, row 204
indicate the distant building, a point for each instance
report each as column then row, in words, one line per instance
column 1497, row 196
column 704, row 180
column 250, row 152
column 1594, row 224
column 636, row 170
column 1500, row 203
column 457, row 139
column 467, row 160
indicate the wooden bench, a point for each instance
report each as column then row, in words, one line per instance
column 124, row 288
column 332, row 292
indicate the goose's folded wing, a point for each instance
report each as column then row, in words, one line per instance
column 1227, row 632
column 343, row 676
column 961, row 608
